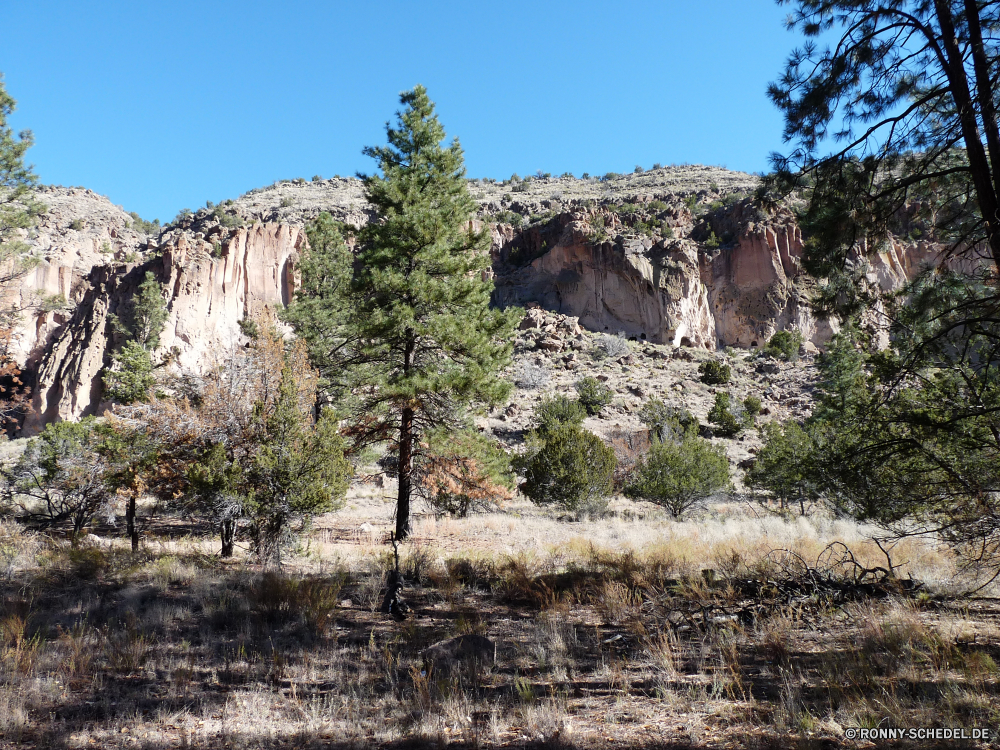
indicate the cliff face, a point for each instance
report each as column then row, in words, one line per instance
column 80, row 230
column 681, row 268
column 667, row 290
column 207, row 297
column 678, row 290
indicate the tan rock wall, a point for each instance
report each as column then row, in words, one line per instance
column 206, row 298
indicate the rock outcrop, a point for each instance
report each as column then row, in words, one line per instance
column 707, row 293
column 79, row 231
column 672, row 256
column 210, row 287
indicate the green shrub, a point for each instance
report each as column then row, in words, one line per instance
column 249, row 328
column 753, row 405
column 510, row 217
column 597, row 232
column 569, row 467
column 678, row 476
column 228, row 220
column 317, row 178
column 594, row 395
column 731, row 416
column 714, row 372
column 130, row 376
column 144, row 227
column 558, row 411
column 667, row 423
column 287, row 202
column 784, row 345
column 785, row 464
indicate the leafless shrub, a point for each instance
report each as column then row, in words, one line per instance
column 17, row 549
column 614, row 346
column 531, row 377
column 630, row 447
column 13, row 710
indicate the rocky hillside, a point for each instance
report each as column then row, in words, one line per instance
column 673, row 257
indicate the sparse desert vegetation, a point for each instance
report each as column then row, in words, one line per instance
column 677, row 458
column 633, row 626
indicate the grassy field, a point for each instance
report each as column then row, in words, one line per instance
column 627, row 631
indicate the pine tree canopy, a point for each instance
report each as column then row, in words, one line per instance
column 402, row 330
column 903, row 103
column 18, row 208
column 896, row 136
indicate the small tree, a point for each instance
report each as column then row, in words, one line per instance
column 731, row 416
column 143, row 320
column 714, row 373
column 61, row 476
column 785, row 464
column 678, row 476
column 569, row 467
column 298, row 468
column 594, row 395
column 130, row 375
column 464, row 472
column 248, row 453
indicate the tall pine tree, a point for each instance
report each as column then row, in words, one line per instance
column 405, row 334
column 19, row 211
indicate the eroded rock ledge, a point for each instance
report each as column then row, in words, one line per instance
column 668, row 256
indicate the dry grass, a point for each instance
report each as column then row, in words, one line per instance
column 174, row 648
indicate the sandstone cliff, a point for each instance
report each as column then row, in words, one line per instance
column 674, row 256
column 209, row 288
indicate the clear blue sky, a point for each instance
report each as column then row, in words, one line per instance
column 164, row 105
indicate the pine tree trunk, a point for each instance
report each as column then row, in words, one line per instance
column 984, row 98
column 228, row 533
column 133, row 532
column 405, row 472
column 979, row 167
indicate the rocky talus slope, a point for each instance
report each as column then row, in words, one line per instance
column 673, row 257
column 553, row 352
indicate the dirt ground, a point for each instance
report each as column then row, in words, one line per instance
column 632, row 630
